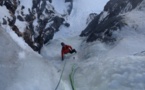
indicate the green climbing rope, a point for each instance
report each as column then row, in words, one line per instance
column 71, row 77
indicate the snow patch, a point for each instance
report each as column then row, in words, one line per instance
column 104, row 14
column 18, row 40
column 135, row 19
column 27, row 4
column 21, row 55
column 4, row 13
column 21, row 25
column 60, row 6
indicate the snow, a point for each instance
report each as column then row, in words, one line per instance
column 104, row 14
column 60, row 6
column 27, row 4
column 18, row 40
column 4, row 14
column 130, row 42
column 22, row 55
column 21, row 68
column 135, row 19
column 100, row 66
column 21, row 25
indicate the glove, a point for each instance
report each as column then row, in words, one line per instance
column 62, row 59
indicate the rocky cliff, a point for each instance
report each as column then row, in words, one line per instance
column 36, row 22
column 109, row 20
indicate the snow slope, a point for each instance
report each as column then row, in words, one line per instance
column 21, row 68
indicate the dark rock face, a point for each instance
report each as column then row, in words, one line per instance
column 4, row 21
column 102, row 29
column 20, row 18
column 45, row 16
column 93, row 24
column 114, row 7
column 16, row 30
column 70, row 6
column 10, row 5
column 91, row 17
column 50, row 1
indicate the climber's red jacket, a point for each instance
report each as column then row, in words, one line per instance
column 65, row 49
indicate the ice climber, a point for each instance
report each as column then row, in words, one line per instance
column 66, row 49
